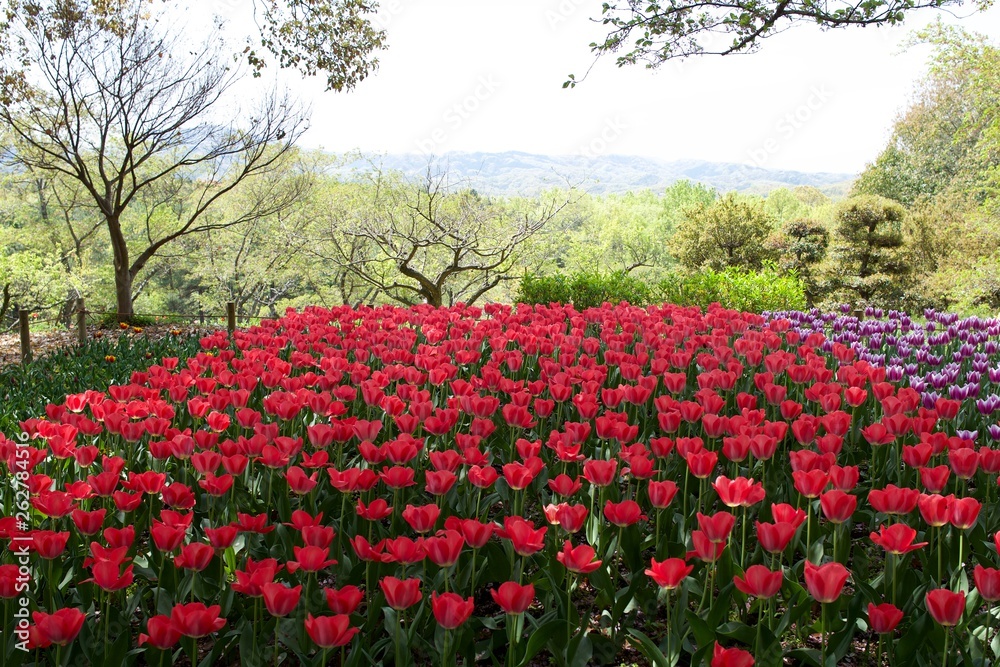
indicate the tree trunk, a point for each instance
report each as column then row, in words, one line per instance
column 123, row 273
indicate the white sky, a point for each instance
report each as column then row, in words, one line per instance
column 486, row 75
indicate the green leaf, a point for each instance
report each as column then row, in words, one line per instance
column 649, row 649
column 540, row 637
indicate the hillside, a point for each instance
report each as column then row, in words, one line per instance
column 526, row 173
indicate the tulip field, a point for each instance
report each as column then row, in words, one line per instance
column 520, row 486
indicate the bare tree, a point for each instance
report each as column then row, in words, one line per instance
column 430, row 242
column 134, row 113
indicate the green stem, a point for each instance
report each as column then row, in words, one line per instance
column 822, row 620
column 944, row 654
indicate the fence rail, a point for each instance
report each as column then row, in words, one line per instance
column 24, row 323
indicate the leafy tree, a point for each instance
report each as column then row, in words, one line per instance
column 803, row 244
column 870, row 258
column 430, row 242
column 730, row 232
column 784, row 205
column 949, row 137
column 332, row 38
column 136, row 129
column 656, row 31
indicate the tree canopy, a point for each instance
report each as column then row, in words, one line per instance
column 655, row 31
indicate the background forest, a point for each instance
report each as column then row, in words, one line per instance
column 918, row 229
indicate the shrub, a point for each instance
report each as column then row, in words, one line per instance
column 766, row 290
column 584, row 290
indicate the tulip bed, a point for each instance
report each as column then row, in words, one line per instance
column 519, row 486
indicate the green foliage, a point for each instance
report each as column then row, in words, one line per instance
column 657, row 31
column 948, row 138
column 26, row 390
column 767, row 290
column 730, row 232
column 803, row 244
column 584, row 290
column 871, row 262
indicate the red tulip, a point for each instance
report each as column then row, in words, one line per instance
column 580, row 560
column 401, row 594
column 54, row 504
column 987, row 582
column 178, row 495
column 844, row 478
column 661, row 493
column 60, row 627
column 12, row 581
column 945, row 606
column 837, row 506
column 523, row 535
column 600, row 472
column 222, row 538
column 883, row 618
column 897, row 539
column 716, row 527
column 279, row 599
column 935, row 509
column 251, row 581
column 89, row 523
column 964, row 462
column 731, row 657
column 783, row 512
column 330, row 631
column 774, row 537
column 625, row 513
column 669, row 573
column 475, row 532
column 482, row 477
column 195, row 556
column 107, row 575
column 705, row 549
column 162, row 634
column 317, row 536
column 344, row 600
column 49, row 544
column 701, row 464
column 196, row 620
column 513, row 598
column 167, row 538
column 739, row 492
column 893, row 499
column 964, row 512
column 310, row 559
column 376, row 511
column 451, row 610
column 423, row 518
column 825, row 582
column 444, row 548
column 759, row 581
column 935, row 479
column 810, row 483
column 564, row 485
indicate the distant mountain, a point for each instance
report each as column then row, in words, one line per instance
column 525, row 173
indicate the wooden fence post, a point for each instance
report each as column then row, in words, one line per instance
column 231, row 316
column 81, row 322
column 22, row 320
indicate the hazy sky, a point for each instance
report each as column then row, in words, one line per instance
column 486, row 75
